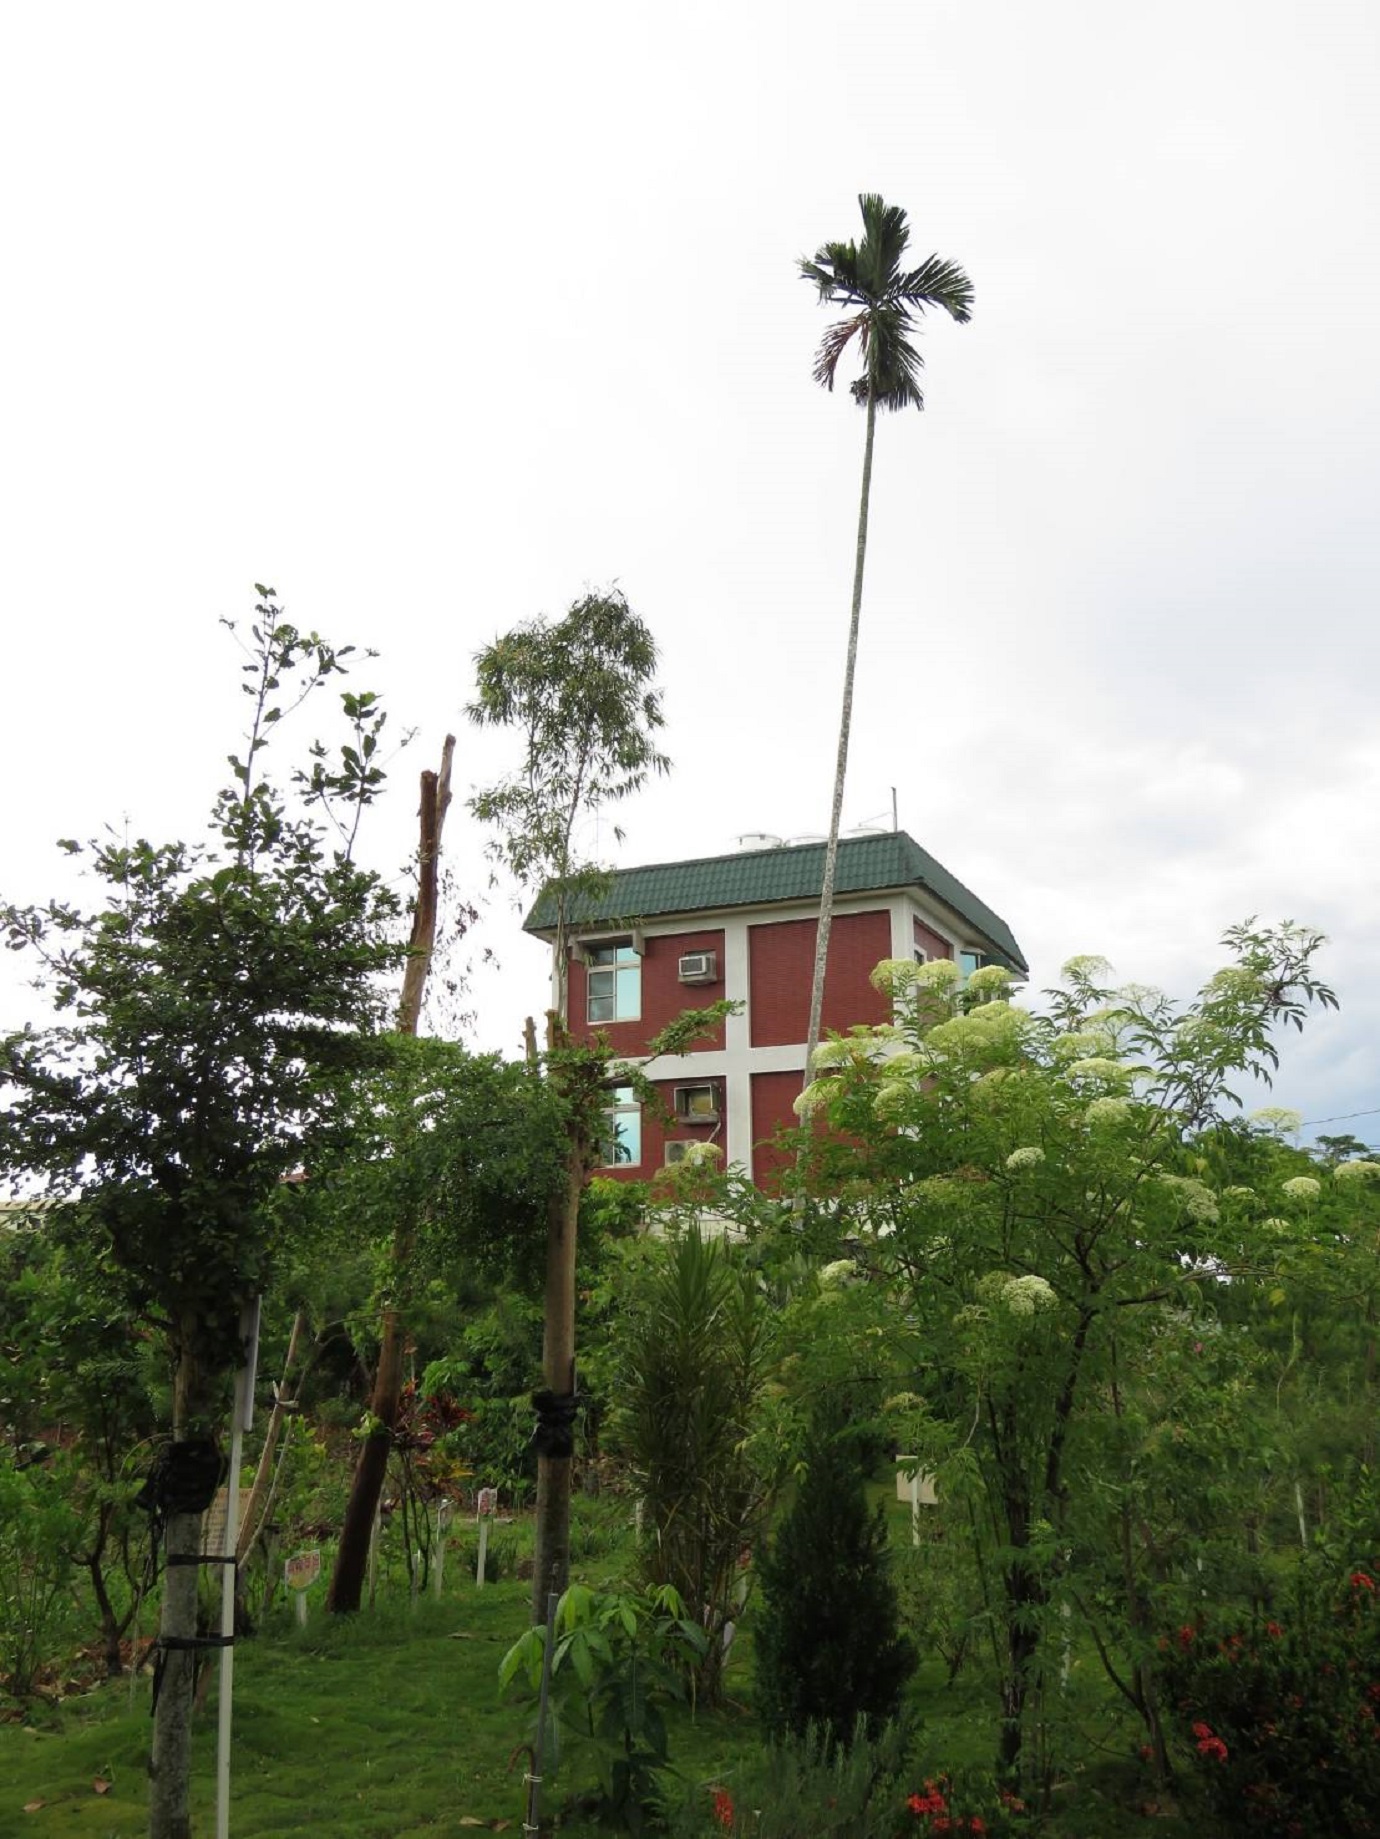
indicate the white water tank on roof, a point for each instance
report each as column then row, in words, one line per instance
column 758, row 839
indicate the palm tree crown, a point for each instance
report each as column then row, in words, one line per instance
column 868, row 276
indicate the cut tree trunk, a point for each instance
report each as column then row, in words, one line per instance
column 352, row 1557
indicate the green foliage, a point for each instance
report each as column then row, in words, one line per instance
column 828, row 1648
column 218, row 998
column 1280, row 1712
column 620, row 1659
column 460, row 1151
column 1029, row 1187
column 693, row 1352
column 883, row 300
column 580, row 695
column 38, row 1529
column 804, row 1787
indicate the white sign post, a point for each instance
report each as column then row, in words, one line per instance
column 444, row 1509
column 486, row 1506
column 300, row 1572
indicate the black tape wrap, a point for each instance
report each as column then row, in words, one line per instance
column 183, row 1479
column 554, row 1432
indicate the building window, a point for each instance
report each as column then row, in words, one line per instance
column 622, row 1144
column 968, row 962
column 613, row 984
column 920, row 954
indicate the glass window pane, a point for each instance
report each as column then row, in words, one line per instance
column 629, row 1145
column 629, row 993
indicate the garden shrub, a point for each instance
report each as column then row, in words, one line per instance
column 620, row 1660
column 1282, row 1711
column 829, row 1652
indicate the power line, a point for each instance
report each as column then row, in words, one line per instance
column 1340, row 1118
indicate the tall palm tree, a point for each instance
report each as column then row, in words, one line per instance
column 883, row 301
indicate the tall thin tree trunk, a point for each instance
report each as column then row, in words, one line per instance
column 352, row 1556
column 831, row 848
column 551, row 1569
column 170, row 1766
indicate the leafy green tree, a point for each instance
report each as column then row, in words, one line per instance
column 1026, row 1183
column 218, row 1000
column 81, row 1383
column 882, row 300
column 829, row 1650
column 580, row 695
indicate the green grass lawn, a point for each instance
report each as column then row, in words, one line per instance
column 389, row 1725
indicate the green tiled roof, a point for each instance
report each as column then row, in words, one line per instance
column 756, row 877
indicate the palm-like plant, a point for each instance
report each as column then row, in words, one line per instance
column 883, row 301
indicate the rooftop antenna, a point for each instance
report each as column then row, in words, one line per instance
column 894, row 823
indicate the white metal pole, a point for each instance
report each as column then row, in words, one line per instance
column 241, row 1421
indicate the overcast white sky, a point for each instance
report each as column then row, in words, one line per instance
column 435, row 316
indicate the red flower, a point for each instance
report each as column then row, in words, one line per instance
column 1185, row 1636
column 723, row 1807
column 1208, row 1744
column 1360, row 1581
column 977, row 1824
column 1273, row 1629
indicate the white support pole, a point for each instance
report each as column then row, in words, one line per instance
column 242, row 1420
column 483, row 1552
column 915, row 1506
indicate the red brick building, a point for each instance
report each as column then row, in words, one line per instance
column 682, row 935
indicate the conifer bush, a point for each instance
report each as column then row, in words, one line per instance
column 829, row 1650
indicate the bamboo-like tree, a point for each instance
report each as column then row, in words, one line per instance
column 882, row 302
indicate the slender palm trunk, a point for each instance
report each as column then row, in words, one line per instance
column 831, row 849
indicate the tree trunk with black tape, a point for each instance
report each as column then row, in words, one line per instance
column 170, row 1767
column 352, row 1556
column 551, row 1569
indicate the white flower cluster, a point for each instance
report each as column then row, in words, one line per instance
column 1302, row 1188
column 1099, row 1066
column 1279, row 1120
column 1198, row 1201
column 811, row 1098
column 1024, row 1295
column 1019, row 1295
column 697, row 1155
column 834, row 1276
column 1356, row 1171
column 1108, row 1111
column 992, row 981
column 1025, row 1158
column 894, row 975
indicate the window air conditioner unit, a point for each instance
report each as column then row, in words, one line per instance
column 697, row 1104
column 676, row 1152
column 699, row 967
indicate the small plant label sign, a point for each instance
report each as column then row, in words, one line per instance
column 300, row 1572
column 485, row 1507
